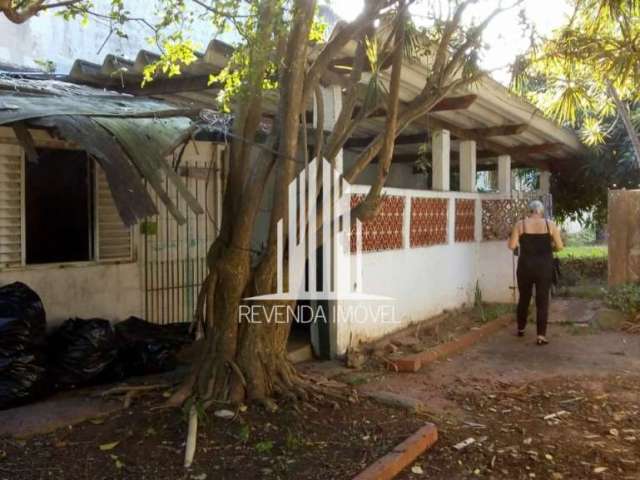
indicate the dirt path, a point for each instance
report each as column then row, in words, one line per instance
column 507, row 359
column 500, row 391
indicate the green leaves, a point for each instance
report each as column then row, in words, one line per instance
column 592, row 132
column 264, row 447
column 596, row 48
column 569, row 101
column 177, row 54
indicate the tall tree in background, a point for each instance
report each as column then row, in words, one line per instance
column 587, row 74
column 280, row 51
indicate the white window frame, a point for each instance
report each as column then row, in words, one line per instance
column 95, row 258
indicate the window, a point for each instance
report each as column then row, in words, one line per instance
column 57, row 210
column 58, row 207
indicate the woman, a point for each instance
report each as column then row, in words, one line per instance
column 536, row 238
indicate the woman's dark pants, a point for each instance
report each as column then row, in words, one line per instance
column 536, row 271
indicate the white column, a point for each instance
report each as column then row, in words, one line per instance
column 441, row 140
column 451, row 221
column 332, row 100
column 545, row 181
column 406, row 223
column 504, row 174
column 468, row 166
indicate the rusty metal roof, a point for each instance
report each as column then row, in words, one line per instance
column 128, row 136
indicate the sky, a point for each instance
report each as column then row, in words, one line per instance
column 504, row 35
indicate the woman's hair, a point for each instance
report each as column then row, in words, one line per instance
column 536, row 206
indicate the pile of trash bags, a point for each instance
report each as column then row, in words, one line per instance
column 79, row 352
column 145, row 348
column 22, row 338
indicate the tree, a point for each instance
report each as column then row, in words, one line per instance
column 280, row 51
column 581, row 193
column 589, row 69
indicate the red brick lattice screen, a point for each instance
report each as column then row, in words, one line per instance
column 465, row 220
column 384, row 231
column 498, row 217
column 428, row 222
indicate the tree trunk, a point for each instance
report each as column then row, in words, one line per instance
column 626, row 120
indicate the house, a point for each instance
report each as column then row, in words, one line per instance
column 123, row 246
column 436, row 239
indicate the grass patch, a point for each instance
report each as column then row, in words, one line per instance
column 579, row 252
column 490, row 311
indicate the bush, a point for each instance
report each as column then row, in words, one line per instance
column 625, row 298
column 577, row 271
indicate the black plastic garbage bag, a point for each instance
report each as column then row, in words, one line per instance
column 22, row 336
column 23, row 322
column 22, row 378
column 147, row 348
column 83, row 352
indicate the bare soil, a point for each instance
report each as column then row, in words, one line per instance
column 568, row 410
column 500, row 391
column 318, row 441
column 560, row 428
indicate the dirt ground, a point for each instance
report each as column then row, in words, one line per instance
column 317, row 441
column 568, row 410
column 500, row 391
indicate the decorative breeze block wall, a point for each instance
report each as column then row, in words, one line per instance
column 384, row 231
column 499, row 216
column 428, row 221
column 465, row 220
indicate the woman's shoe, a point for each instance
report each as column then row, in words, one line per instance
column 542, row 340
column 520, row 333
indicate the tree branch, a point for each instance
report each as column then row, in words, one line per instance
column 369, row 206
column 20, row 15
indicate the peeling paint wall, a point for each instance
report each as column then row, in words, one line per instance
column 624, row 236
column 106, row 291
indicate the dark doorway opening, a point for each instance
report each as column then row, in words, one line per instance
column 59, row 207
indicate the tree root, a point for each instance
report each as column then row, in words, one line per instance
column 181, row 395
column 130, row 391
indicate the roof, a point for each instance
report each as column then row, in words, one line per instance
column 499, row 121
column 128, row 136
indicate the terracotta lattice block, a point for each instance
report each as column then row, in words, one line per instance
column 465, row 220
column 498, row 217
column 428, row 221
column 384, row 231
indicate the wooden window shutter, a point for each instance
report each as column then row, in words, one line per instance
column 114, row 240
column 11, row 206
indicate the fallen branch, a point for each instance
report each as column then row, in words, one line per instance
column 130, row 391
column 192, row 434
column 126, row 389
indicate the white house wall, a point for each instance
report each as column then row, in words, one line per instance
column 105, row 291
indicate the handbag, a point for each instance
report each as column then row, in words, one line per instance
column 556, row 274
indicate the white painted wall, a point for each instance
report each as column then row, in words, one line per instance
column 423, row 282
column 49, row 37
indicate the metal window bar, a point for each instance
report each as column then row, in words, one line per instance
column 175, row 255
